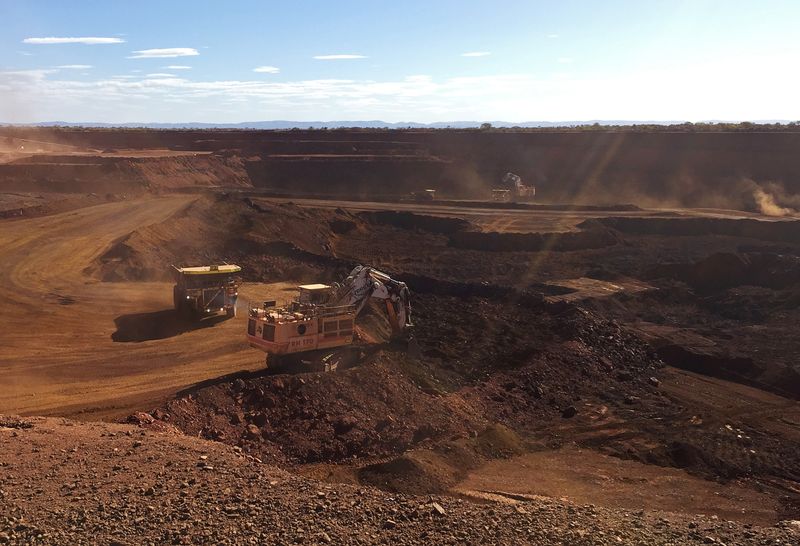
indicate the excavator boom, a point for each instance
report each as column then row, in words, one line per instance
column 364, row 283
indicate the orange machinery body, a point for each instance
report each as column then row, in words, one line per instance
column 303, row 325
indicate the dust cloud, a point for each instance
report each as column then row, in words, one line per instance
column 687, row 191
column 767, row 205
column 15, row 102
column 772, row 199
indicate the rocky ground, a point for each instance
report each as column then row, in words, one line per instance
column 63, row 482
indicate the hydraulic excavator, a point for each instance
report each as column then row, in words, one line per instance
column 320, row 322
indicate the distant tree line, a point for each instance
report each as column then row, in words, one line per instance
column 687, row 127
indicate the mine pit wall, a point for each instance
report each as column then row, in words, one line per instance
column 343, row 147
column 85, row 178
column 96, row 174
column 656, row 168
column 409, row 220
column 782, row 381
column 684, row 169
column 335, row 177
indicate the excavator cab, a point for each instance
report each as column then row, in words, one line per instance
column 314, row 294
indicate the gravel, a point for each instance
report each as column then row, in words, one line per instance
column 95, row 483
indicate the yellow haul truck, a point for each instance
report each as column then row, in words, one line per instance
column 206, row 290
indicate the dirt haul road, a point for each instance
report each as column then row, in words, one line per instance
column 57, row 355
column 494, row 217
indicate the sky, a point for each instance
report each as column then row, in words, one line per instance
column 413, row 60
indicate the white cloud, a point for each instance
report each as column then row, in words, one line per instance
column 476, row 54
column 719, row 93
column 267, row 69
column 338, row 57
column 552, row 36
column 75, row 66
column 160, row 75
column 25, row 53
column 177, row 67
column 164, row 53
column 35, row 73
column 88, row 40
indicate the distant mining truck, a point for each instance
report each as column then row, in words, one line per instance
column 206, row 290
column 420, row 195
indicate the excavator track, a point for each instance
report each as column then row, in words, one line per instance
column 325, row 360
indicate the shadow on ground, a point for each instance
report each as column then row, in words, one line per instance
column 222, row 380
column 158, row 325
column 297, row 364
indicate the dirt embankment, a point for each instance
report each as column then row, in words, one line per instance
column 721, row 271
column 20, row 205
column 381, row 176
column 273, row 242
column 529, row 242
column 744, row 306
column 778, row 231
column 410, row 220
column 727, row 315
column 714, row 363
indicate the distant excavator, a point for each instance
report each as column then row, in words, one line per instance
column 322, row 317
column 513, row 190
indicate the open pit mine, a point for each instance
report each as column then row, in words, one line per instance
column 399, row 336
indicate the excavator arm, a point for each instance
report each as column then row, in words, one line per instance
column 364, row 283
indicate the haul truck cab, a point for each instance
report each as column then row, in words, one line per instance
column 206, row 290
